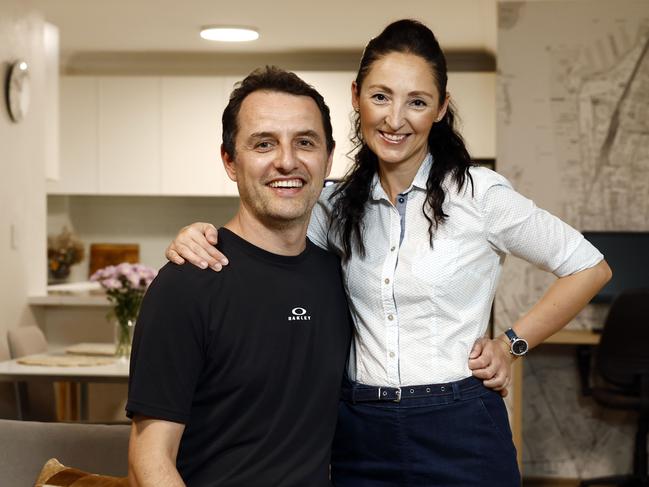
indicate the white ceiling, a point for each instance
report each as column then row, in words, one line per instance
column 284, row 25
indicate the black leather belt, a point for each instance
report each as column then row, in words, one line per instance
column 355, row 392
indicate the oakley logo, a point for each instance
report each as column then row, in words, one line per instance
column 299, row 314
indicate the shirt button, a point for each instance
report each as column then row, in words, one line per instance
column 392, row 249
column 401, row 200
column 387, row 281
column 390, row 317
column 391, row 354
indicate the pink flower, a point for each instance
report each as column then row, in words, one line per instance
column 129, row 276
column 125, row 285
column 105, row 273
column 134, row 279
column 125, row 268
column 111, row 283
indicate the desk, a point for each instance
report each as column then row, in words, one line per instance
column 584, row 339
column 116, row 372
column 574, row 337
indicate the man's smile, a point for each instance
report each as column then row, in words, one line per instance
column 286, row 183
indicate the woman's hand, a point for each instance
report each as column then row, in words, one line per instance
column 195, row 243
column 490, row 360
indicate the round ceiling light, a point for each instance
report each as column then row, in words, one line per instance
column 225, row 33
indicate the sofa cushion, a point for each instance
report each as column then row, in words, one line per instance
column 55, row 474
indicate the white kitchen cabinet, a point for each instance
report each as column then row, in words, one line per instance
column 335, row 87
column 161, row 135
column 129, row 135
column 191, row 136
column 191, row 129
column 78, row 112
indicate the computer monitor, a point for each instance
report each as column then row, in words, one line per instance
column 627, row 253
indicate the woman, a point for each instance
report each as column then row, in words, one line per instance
column 422, row 234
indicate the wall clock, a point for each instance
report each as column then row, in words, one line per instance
column 18, row 95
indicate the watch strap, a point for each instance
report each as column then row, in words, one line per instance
column 511, row 334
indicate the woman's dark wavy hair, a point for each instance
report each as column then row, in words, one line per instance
column 444, row 142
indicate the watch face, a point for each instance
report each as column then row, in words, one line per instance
column 519, row 347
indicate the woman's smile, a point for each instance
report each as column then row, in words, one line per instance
column 393, row 138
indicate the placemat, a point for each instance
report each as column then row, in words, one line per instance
column 107, row 349
column 65, row 360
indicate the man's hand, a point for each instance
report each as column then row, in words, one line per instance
column 490, row 360
column 195, row 243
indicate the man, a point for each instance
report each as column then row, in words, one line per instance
column 235, row 375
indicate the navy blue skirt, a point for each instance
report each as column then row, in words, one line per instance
column 458, row 434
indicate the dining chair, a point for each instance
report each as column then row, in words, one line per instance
column 7, row 399
column 35, row 401
column 26, row 340
column 4, row 351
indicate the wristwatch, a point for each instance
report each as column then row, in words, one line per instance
column 517, row 346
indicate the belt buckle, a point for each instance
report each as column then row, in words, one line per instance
column 397, row 393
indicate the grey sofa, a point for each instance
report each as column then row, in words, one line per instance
column 25, row 446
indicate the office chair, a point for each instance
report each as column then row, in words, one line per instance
column 622, row 362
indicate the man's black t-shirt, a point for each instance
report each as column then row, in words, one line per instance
column 250, row 360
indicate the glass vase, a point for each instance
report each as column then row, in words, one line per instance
column 124, row 338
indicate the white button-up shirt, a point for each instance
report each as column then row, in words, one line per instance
column 419, row 309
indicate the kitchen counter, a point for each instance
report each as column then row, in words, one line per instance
column 83, row 293
column 70, row 300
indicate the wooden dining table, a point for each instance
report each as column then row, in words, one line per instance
column 62, row 366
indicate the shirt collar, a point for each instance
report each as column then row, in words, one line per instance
column 419, row 182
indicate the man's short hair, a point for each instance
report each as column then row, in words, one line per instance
column 270, row 78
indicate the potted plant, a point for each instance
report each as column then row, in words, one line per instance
column 63, row 251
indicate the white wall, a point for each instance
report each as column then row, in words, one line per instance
column 22, row 173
